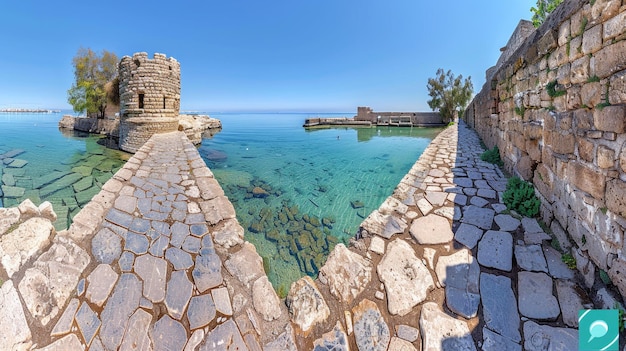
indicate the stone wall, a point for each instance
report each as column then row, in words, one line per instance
column 149, row 98
column 557, row 111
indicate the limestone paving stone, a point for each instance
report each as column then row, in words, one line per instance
column 196, row 338
column 306, row 304
column 478, row 216
column 137, row 336
column 246, row 264
column 50, row 282
column 496, row 342
column 64, row 324
column 20, row 245
column 495, row 250
column 191, row 244
column 556, row 267
column 179, row 232
column 100, row 284
column 119, row 218
column 221, row 298
column 136, row 243
column 201, row 311
column 88, row 322
column 500, row 306
column 370, row 329
column 140, row 225
column 334, row 340
column 401, row 345
column 543, row 337
column 535, row 296
column 14, row 332
column 169, row 335
column 441, row 332
column 229, row 234
column 346, row 273
column 424, row 206
column 106, row 246
column 530, row 258
column 478, row 201
column 431, row 229
column 158, row 246
column 436, row 198
column 152, row 271
column 265, row 300
column 405, row 287
column 224, row 337
column 468, row 235
column 179, row 290
column 207, row 272
column 407, row 332
column 487, row 193
column 570, row 301
column 118, row 309
column 459, row 273
column 179, row 258
column 69, row 342
column 507, row 223
column 126, row 261
column 377, row 245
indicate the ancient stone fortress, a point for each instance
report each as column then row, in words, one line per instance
column 149, row 98
column 149, row 104
column 556, row 108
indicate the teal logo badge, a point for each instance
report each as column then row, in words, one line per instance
column 598, row 330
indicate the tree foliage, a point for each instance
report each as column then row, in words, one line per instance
column 94, row 77
column 450, row 95
column 543, row 9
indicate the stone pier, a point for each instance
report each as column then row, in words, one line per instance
column 157, row 261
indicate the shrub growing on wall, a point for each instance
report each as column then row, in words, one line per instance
column 520, row 197
column 543, row 9
column 492, row 156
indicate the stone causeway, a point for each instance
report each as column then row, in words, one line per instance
column 158, row 261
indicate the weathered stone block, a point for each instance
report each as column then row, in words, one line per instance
column 564, row 32
column 610, row 59
column 611, row 118
column 576, row 23
column 573, row 98
column 604, row 9
column 575, row 48
column 543, row 180
column 591, row 94
column 524, row 167
column 547, row 42
column 592, row 39
column 614, row 26
column 617, row 88
column 617, row 273
column 585, row 149
column 563, row 74
column 606, row 157
column 587, row 179
column 563, row 143
column 580, row 70
column 557, row 58
column 616, row 196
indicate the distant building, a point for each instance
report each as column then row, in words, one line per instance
column 398, row 118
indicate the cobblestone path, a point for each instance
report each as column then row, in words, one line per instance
column 157, row 261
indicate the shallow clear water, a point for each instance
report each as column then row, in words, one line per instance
column 64, row 167
column 317, row 185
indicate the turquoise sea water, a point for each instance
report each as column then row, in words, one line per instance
column 47, row 164
column 297, row 193
column 313, row 187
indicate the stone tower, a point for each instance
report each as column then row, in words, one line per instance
column 149, row 98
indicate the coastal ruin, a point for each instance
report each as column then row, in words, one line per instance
column 149, row 103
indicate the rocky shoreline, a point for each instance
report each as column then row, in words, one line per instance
column 195, row 127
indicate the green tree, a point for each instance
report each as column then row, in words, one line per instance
column 94, row 74
column 450, row 95
column 543, row 9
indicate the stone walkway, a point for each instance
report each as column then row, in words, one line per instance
column 157, row 261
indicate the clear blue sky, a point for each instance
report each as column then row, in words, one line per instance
column 273, row 55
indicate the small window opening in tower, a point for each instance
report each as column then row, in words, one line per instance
column 164, row 102
column 141, row 100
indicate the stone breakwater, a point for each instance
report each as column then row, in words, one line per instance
column 157, row 260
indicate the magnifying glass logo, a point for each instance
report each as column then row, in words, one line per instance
column 598, row 329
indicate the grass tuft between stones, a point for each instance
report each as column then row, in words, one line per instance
column 492, row 156
column 520, row 197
